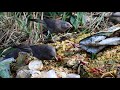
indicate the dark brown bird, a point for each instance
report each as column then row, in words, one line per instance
column 54, row 25
column 42, row 52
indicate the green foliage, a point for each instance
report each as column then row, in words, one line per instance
column 93, row 56
column 77, row 20
column 17, row 24
column 53, row 14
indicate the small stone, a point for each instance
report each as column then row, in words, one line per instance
column 35, row 65
column 48, row 74
column 61, row 74
column 51, row 74
column 23, row 74
column 43, row 74
column 36, row 74
column 72, row 75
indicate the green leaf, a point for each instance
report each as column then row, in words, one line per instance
column 93, row 56
column 74, row 22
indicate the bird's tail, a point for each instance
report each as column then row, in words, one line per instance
column 36, row 20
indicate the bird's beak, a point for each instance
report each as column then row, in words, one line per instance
column 56, row 58
column 71, row 26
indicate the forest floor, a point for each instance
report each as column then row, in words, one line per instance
column 72, row 59
column 104, row 65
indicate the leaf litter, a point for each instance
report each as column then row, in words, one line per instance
column 75, row 60
column 72, row 61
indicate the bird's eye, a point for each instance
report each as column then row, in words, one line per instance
column 67, row 24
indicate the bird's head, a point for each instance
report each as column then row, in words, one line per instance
column 66, row 25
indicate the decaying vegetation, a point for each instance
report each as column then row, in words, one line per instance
column 15, row 29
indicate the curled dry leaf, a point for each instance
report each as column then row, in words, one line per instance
column 110, row 74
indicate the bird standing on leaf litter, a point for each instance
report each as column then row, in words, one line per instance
column 54, row 25
column 42, row 52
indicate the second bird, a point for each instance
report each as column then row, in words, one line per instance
column 54, row 25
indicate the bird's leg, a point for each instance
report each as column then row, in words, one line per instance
column 49, row 35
